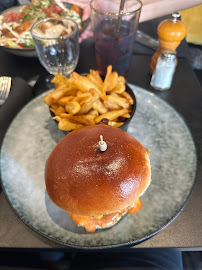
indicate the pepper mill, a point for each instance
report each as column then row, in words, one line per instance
column 170, row 32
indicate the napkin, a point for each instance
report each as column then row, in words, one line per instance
column 19, row 95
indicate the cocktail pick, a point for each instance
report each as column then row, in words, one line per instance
column 102, row 144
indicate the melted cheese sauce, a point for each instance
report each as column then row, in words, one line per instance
column 135, row 207
column 90, row 223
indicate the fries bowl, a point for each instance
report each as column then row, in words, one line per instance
column 84, row 100
column 127, row 122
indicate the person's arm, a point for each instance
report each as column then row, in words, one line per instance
column 151, row 8
column 157, row 8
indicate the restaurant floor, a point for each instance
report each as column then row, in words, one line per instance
column 22, row 260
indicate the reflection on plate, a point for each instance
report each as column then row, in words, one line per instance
column 32, row 136
column 30, row 52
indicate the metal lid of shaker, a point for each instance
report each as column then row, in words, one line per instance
column 168, row 54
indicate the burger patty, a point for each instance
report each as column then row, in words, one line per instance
column 91, row 223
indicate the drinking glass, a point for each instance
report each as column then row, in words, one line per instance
column 114, row 33
column 56, row 43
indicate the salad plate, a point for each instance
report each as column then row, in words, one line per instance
column 16, row 22
column 31, row 138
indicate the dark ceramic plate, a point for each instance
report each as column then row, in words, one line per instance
column 32, row 52
column 33, row 135
column 127, row 122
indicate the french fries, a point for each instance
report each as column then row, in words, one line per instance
column 81, row 101
column 111, row 115
column 111, row 79
column 72, row 107
column 66, row 124
column 122, row 102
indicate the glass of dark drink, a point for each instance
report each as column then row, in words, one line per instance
column 114, row 33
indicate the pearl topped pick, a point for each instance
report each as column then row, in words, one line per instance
column 102, row 144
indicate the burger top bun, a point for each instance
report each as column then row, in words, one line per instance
column 85, row 181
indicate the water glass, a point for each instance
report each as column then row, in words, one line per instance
column 56, row 44
column 114, row 33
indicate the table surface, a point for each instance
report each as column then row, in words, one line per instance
column 185, row 95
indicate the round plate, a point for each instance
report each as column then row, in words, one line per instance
column 33, row 135
column 32, row 52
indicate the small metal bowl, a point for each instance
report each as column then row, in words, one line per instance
column 127, row 122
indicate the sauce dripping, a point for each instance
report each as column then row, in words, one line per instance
column 90, row 223
column 135, row 207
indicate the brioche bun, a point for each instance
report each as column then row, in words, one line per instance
column 84, row 181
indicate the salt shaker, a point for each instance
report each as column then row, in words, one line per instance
column 164, row 71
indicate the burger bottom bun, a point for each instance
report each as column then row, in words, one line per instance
column 112, row 223
column 92, row 223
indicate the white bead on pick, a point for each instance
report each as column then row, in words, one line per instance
column 102, row 144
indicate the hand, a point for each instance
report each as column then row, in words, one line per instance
column 88, row 32
column 80, row 3
column 86, row 15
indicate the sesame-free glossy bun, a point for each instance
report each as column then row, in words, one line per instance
column 85, row 181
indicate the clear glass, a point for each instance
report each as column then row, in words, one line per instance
column 114, row 33
column 56, row 43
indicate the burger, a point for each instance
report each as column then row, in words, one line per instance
column 97, row 175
